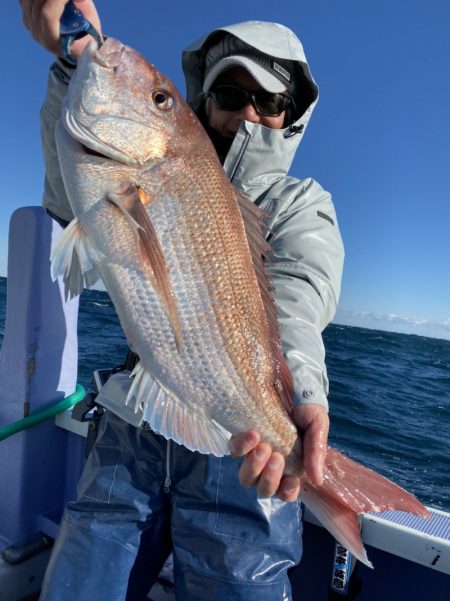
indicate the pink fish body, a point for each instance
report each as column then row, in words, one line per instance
column 180, row 252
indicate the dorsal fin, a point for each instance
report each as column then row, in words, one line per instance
column 260, row 250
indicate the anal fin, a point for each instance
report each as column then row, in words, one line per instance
column 168, row 416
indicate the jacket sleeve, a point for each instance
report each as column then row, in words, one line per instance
column 305, row 270
column 54, row 198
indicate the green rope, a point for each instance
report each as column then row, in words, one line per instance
column 43, row 414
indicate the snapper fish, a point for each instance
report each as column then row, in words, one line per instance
column 181, row 253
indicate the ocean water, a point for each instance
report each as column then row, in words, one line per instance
column 389, row 394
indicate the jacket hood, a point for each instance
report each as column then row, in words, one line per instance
column 270, row 38
column 279, row 42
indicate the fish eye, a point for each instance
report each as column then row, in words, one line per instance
column 162, row 99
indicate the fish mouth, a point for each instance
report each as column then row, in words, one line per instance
column 107, row 55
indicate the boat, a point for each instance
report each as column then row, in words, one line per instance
column 46, row 424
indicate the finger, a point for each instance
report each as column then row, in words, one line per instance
column 289, row 489
column 242, row 444
column 270, row 478
column 314, row 450
column 49, row 22
column 41, row 18
column 27, row 9
column 253, row 465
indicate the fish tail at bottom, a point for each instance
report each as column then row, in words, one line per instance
column 341, row 521
column 350, row 489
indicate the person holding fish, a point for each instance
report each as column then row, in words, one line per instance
column 250, row 86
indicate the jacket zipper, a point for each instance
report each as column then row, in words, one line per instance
column 167, row 481
column 241, row 153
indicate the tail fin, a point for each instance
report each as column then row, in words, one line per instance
column 338, row 519
column 348, row 489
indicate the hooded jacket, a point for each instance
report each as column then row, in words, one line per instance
column 307, row 252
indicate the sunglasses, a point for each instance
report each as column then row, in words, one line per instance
column 233, row 98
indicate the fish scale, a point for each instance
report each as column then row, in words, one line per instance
column 241, row 299
column 227, row 322
column 224, row 312
column 192, row 294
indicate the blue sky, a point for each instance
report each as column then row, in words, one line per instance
column 379, row 140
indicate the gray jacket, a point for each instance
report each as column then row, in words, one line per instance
column 307, row 252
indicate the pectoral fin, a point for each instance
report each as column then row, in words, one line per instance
column 130, row 204
column 74, row 257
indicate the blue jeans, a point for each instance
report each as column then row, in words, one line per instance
column 227, row 543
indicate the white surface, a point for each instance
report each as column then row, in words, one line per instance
column 402, row 541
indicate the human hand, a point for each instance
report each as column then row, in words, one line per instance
column 41, row 18
column 264, row 468
column 313, row 421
